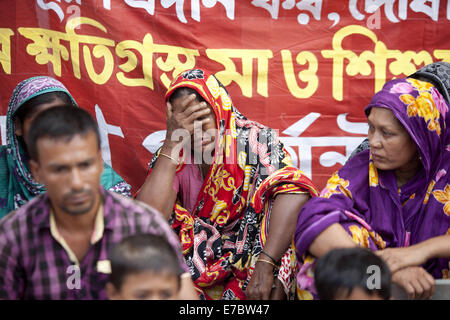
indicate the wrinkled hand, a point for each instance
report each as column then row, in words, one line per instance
column 183, row 116
column 260, row 285
column 399, row 258
column 417, row 282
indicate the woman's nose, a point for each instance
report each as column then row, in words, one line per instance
column 375, row 141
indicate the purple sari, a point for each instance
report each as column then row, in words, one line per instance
column 367, row 202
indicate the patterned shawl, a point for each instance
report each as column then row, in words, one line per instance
column 17, row 186
column 367, row 201
column 227, row 229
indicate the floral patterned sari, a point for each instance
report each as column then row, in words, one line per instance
column 227, row 229
column 367, row 202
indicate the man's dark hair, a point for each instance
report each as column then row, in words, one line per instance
column 28, row 109
column 62, row 122
column 140, row 253
column 342, row 270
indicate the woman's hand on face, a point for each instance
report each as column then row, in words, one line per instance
column 182, row 114
column 261, row 282
column 399, row 258
column 417, row 282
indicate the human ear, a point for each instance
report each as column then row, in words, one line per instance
column 18, row 128
column 35, row 172
column 100, row 161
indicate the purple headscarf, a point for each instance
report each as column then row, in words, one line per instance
column 367, row 202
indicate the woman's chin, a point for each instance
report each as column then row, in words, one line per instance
column 383, row 165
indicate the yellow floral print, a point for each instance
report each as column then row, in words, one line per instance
column 304, row 294
column 420, row 85
column 360, row 236
column 407, row 99
column 333, row 184
column 427, row 195
column 378, row 240
column 424, row 107
column 373, row 175
column 443, row 196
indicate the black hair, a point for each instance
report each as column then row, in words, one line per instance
column 64, row 121
column 143, row 252
column 342, row 270
column 185, row 91
column 29, row 108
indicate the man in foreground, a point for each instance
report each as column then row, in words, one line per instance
column 56, row 246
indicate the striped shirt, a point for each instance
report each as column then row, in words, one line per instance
column 36, row 263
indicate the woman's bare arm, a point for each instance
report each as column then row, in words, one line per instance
column 418, row 254
column 157, row 189
column 282, row 224
column 331, row 238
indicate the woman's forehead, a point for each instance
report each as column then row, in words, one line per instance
column 383, row 116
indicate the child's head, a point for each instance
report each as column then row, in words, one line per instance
column 352, row 274
column 144, row 267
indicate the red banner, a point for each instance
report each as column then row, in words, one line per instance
column 306, row 68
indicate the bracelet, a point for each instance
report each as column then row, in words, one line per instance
column 167, row 156
column 269, row 262
column 265, row 253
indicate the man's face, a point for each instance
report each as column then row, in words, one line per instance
column 70, row 171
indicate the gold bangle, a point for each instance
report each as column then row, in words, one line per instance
column 167, row 156
column 269, row 262
column 267, row 255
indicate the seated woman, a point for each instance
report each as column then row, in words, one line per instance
column 29, row 98
column 438, row 74
column 234, row 208
column 392, row 196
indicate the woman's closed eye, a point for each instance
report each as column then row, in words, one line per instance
column 388, row 133
column 384, row 131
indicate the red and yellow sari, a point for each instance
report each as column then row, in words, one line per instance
column 228, row 227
